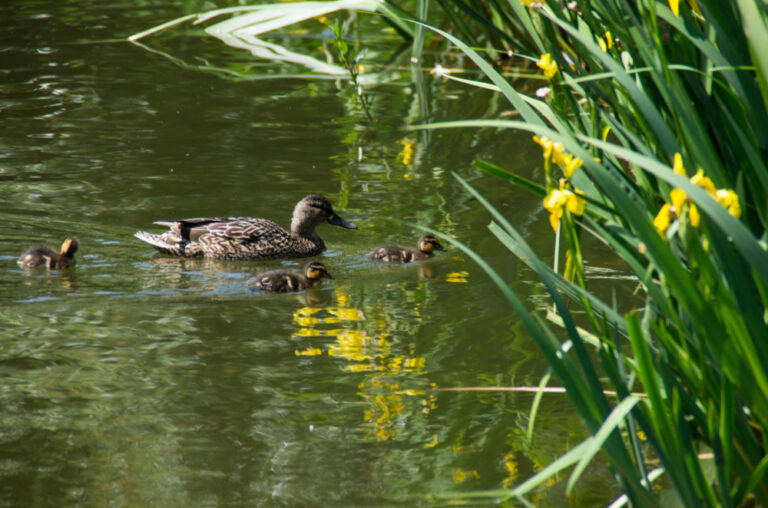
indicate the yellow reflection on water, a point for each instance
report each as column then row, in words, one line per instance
column 510, row 464
column 360, row 340
column 459, row 476
column 460, row 277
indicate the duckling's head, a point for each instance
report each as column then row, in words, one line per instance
column 315, row 270
column 69, row 247
column 429, row 243
column 316, row 209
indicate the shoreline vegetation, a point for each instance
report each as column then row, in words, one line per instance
column 653, row 132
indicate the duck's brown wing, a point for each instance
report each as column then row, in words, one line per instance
column 181, row 237
column 191, row 229
column 243, row 238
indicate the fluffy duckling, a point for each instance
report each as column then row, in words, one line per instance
column 393, row 254
column 248, row 237
column 281, row 281
column 45, row 256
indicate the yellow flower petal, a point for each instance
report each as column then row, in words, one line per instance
column 678, row 197
column 551, row 148
column 705, row 182
column 730, row 200
column 548, row 65
column 576, row 204
column 663, row 219
column 553, row 199
column 560, row 199
column 554, row 218
column 677, row 166
column 693, row 215
column 675, row 6
column 569, row 163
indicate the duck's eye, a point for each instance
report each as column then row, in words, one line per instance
column 320, row 206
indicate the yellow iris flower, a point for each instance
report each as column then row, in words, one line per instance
column 556, row 152
column 559, row 200
column 679, row 199
column 607, row 43
column 548, row 65
column 551, row 148
column 568, row 162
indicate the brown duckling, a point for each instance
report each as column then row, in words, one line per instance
column 281, row 281
column 248, row 237
column 393, row 254
column 45, row 256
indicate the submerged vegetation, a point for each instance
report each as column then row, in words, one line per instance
column 654, row 132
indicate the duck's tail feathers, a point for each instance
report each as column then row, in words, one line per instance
column 161, row 244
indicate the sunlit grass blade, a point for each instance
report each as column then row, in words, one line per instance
column 509, row 92
column 596, row 443
column 520, row 181
column 550, row 470
column 536, row 403
column 557, row 282
column 756, row 31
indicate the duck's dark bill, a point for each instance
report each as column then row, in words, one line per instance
column 338, row 221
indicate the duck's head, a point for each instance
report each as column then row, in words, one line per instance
column 429, row 243
column 69, row 247
column 315, row 270
column 317, row 209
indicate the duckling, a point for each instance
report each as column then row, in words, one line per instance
column 393, row 254
column 248, row 237
column 281, row 281
column 45, row 256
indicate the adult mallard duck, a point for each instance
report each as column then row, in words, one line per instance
column 281, row 281
column 46, row 256
column 394, row 254
column 248, row 237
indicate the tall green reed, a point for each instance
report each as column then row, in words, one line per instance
column 654, row 129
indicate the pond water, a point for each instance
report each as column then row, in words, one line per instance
column 136, row 379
